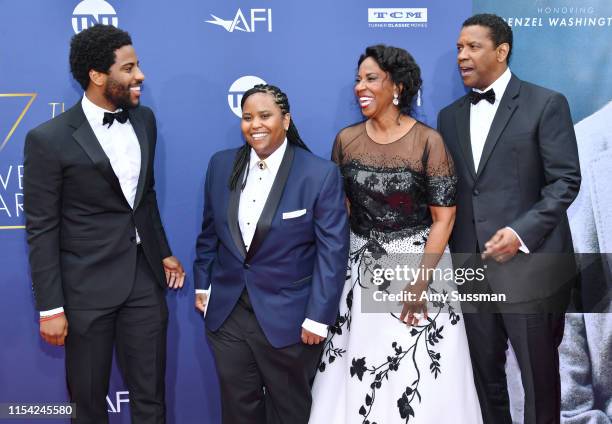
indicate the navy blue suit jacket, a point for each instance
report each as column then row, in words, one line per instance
column 295, row 268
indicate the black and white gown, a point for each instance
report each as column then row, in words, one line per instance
column 375, row 368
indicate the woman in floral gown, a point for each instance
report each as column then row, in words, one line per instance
column 412, row 364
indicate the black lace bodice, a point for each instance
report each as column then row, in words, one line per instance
column 390, row 186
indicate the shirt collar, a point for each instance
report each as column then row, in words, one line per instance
column 93, row 112
column 499, row 86
column 273, row 162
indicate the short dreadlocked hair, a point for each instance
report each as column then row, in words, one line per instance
column 293, row 136
column 94, row 48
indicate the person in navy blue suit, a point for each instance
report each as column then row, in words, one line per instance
column 270, row 264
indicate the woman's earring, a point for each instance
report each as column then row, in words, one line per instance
column 419, row 102
column 395, row 99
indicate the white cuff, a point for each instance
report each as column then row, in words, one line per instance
column 51, row 312
column 315, row 327
column 523, row 247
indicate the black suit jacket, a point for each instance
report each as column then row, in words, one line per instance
column 80, row 227
column 527, row 177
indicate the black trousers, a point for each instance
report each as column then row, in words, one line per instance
column 535, row 338
column 137, row 328
column 260, row 383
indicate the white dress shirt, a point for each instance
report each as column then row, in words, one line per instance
column 252, row 201
column 481, row 118
column 121, row 146
column 255, row 194
column 482, row 114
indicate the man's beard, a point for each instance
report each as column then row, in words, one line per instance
column 119, row 95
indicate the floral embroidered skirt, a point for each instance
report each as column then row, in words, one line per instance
column 376, row 369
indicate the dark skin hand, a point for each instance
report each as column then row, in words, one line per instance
column 443, row 219
column 413, row 311
column 310, row 338
column 175, row 274
column 503, row 246
column 201, row 300
column 55, row 330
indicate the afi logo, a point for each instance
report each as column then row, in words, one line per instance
column 240, row 23
column 237, row 90
column 90, row 12
column 120, row 397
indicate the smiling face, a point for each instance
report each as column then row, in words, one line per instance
column 263, row 124
column 124, row 79
column 480, row 62
column 374, row 89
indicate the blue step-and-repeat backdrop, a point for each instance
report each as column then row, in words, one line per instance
column 198, row 57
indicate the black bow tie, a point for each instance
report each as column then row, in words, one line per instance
column 110, row 117
column 488, row 95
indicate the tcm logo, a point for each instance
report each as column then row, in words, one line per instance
column 90, row 12
column 120, row 397
column 258, row 18
column 237, row 90
column 402, row 17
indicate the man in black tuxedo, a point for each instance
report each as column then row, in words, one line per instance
column 99, row 256
column 516, row 158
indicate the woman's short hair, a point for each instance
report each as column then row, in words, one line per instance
column 401, row 67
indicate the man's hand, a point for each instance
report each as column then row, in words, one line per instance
column 415, row 309
column 201, row 300
column 311, row 338
column 175, row 274
column 503, row 246
column 55, row 330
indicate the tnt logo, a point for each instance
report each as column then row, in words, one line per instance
column 237, row 90
column 241, row 23
column 90, row 12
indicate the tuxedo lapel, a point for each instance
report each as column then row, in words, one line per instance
column 507, row 106
column 462, row 119
column 141, row 134
column 269, row 210
column 232, row 215
column 86, row 138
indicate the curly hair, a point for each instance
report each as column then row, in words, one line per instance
column 499, row 31
column 94, row 48
column 402, row 68
column 293, row 136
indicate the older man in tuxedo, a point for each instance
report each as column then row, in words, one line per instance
column 516, row 158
